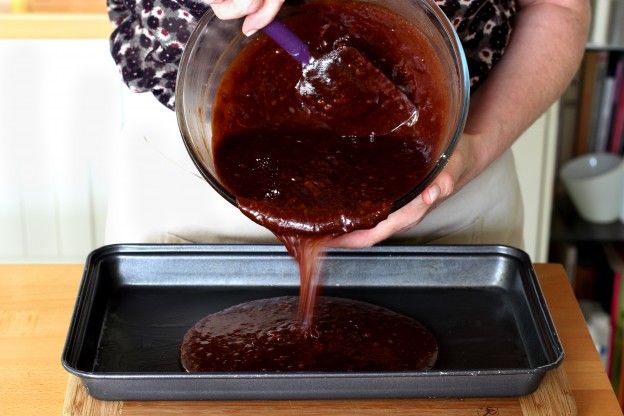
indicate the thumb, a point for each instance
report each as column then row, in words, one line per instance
column 440, row 188
column 448, row 181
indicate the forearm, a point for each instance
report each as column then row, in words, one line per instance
column 542, row 56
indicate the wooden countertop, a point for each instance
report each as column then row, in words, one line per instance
column 36, row 302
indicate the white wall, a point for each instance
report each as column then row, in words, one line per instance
column 60, row 110
column 534, row 153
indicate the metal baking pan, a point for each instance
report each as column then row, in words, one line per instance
column 483, row 303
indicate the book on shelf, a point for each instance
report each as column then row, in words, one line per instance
column 605, row 112
column 591, row 118
column 568, row 114
column 616, row 138
column 598, row 123
column 600, row 85
column 593, row 76
column 615, row 363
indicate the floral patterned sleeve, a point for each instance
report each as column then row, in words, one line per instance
column 150, row 35
column 484, row 28
column 148, row 40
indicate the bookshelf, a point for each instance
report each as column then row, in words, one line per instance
column 591, row 120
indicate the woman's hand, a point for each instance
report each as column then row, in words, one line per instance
column 456, row 173
column 259, row 12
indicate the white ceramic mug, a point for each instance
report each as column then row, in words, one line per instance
column 595, row 182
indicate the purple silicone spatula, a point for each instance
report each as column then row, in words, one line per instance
column 290, row 42
column 345, row 90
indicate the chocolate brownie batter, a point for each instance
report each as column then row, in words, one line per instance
column 352, row 97
column 347, row 335
column 313, row 152
column 302, row 148
column 282, row 149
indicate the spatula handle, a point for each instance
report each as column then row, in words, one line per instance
column 290, row 42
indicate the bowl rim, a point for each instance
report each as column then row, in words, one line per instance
column 179, row 99
column 464, row 82
column 568, row 170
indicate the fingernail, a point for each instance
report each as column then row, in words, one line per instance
column 248, row 28
column 434, row 193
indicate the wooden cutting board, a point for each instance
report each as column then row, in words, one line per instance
column 552, row 398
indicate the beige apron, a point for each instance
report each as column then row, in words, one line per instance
column 156, row 195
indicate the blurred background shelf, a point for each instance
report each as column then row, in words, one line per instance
column 53, row 6
column 54, row 26
column 605, row 47
column 590, row 121
column 53, row 19
column 568, row 227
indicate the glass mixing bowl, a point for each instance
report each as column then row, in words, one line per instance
column 215, row 43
